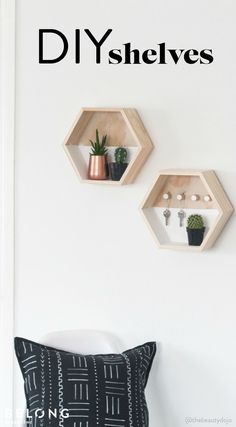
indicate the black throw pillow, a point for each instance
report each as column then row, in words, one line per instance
column 65, row 389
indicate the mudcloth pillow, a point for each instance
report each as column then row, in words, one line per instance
column 72, row 390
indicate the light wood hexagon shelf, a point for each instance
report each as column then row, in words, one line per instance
column 216, row 211
column 123, row 127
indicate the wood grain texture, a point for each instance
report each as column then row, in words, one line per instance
column 188, row 182
column 122, row 126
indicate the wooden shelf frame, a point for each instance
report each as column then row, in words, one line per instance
column 202, row 180
column 123, row 127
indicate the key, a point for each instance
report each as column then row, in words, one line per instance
column 181, row 216
column 166, row 214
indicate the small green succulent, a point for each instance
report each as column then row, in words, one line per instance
column 195, row 222
column 99, row 146
column 120, row 155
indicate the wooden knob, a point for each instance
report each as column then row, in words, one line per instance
column 194, row 197
column 207, row 198
column 180, row 197
column 166, row 196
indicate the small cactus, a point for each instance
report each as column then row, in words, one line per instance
column 99, row 147
column 195, row 222
column 120, row 155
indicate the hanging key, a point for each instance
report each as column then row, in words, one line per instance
column 166, row 214
column 181, row 216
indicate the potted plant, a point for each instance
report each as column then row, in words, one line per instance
column 98, row 168
column 118, row 167
column 195, row 230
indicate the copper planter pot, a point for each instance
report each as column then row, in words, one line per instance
column 98, row 167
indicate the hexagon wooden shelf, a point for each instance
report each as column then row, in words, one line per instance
column 201, row 193
column 123, row 127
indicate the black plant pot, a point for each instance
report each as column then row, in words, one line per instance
column 195, row 236
column 117, row 170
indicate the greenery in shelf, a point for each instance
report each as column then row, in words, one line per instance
column 120, row 155
column 195, row 222
column 98, row 146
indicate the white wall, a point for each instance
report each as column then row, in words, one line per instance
column 7, row 101
column 84, row 257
